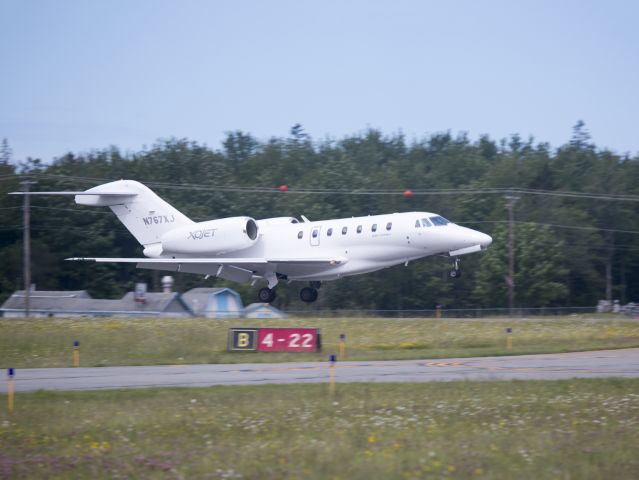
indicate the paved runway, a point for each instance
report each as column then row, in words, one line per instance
column 605, row 363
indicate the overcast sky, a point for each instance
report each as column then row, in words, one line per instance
column 82, row 75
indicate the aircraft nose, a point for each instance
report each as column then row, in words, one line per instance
column 485, row 240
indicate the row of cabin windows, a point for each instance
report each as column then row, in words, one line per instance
column 329, row 232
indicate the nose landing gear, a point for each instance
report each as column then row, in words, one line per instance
column 456, row 271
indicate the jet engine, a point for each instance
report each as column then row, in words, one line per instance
column 213, row 237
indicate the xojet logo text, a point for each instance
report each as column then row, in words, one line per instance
column 199, row 234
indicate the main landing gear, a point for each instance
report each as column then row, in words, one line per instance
column 266, row 295
column 309, row 294
column 456, row 271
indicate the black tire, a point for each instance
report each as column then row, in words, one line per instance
column 308, row 294
column 455, row 273
column 266, row 295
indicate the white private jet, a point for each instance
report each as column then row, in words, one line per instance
column 243, row 250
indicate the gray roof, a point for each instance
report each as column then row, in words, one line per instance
column 60, row 302
column 206, row 290
column 53, row 293
column 266, row 308
column 261, row 306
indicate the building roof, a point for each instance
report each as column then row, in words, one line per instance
column 255, row 308
column 198, row 298
column 81, row 302
column 52, row 293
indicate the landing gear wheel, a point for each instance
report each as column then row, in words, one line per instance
column 266, row 295
column 308, row 294
column 316, row 285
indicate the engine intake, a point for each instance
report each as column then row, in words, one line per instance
column 213, row 237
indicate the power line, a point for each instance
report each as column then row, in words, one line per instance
column 555, row 225
column 369, row 192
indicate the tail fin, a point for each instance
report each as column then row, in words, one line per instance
column 141, row 211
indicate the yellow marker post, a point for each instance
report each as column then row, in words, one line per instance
column 76, row 353
column 509, row 338
column 10, row 373
column 342, row 346
column 438, row 312
column 331, row 375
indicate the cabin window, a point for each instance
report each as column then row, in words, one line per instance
column 344, row 230
column 300, row 234
column 425, row 222
column 439, row 221
column 329, row 232
column 417, row 224
column 315, row 233
column 374, row 227
column 389, row 225
column 359, row 229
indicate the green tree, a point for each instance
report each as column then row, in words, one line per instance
column 540, row 274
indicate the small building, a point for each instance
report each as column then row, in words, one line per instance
column 263, row 310
column 214, row 302
column 44, row 303
column 197, row 302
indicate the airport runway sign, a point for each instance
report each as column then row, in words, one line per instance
column 274, row 339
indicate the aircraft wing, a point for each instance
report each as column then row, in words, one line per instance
column 240, row 270
column 216, row 261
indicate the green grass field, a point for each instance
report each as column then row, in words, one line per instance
column 109, row 341
column 578, row 429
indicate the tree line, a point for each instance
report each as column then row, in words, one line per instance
column 576, row 221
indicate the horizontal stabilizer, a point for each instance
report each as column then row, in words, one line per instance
column 106, row 194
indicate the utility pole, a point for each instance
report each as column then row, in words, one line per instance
column 510, row 279
column 27, row 246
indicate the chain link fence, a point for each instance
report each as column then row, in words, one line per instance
column 444, row 312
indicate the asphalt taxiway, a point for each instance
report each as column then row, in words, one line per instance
column 602, row 363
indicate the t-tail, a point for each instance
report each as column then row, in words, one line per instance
column 142, row 212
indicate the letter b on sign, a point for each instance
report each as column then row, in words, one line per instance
column 242, row 339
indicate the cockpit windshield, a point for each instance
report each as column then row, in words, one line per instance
column 425, row 222
column 439, row 221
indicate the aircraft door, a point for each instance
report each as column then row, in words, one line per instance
column 315, row 236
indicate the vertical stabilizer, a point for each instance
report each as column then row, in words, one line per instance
column 141, row 211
